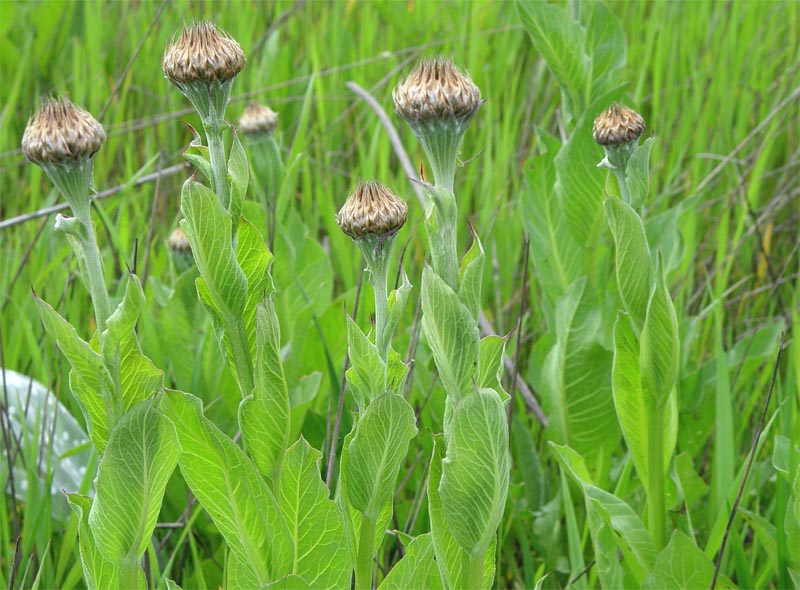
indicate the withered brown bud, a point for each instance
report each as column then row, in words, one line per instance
column 617, row 125
column 436, row 89
column 372, row 210
column 258, row 119
column 202, row 54
column 61, row 133
column 178, row 242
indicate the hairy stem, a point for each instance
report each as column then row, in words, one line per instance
column 95, row 276
column 219, row 165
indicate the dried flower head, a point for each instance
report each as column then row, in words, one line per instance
column 202, row 54
column 258, row 119
column 372, row 210
column 61, row 133
column 436, row 89
column 178, row 242
column 617, row 125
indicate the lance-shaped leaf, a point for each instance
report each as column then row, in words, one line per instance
column 98, row 573
column 376, row 452
column 470, row 275
column 632, row 259
column 137, row 463
column 576, row 380
column 321, row 551
column 254, row 258
column 637, row 174
column 417, row 569
column 658, row 347
column 239, row 174
column 474, row 481
column 264, row 416
column 452, row 334
column 229, row 487
column 89, row 379
column 634, row 406
column 367, row 373
column 197, row 155
column 452, row 560
column 139, row 378
column 633, row 539
column 394, row 308
column 490, row 365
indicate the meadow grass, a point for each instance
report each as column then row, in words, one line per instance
column 719, row 86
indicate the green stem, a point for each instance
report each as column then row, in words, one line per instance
column 129, row 576
column 95, row 277
column 240, row 349
column 656, row 505
column 366, row 554
column 219, row 164
column 623, row 186
column 475, row 573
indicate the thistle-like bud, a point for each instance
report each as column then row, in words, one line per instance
column 436, row 90
column 180, row 250
column 63, row 138
column 618, row 125
column 202, row 54
column 202, row 63
column 372, row 210
column 438, row 101
column 258, row 120
column 61, row 133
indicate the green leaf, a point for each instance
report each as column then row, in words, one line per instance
column 658, row 347
column 376, row 452
column 576, row 379
column 634, row 406
column 633, row 539
column 229, row 487
column 208, row 227
column 139, row 378
column 254, row 258
column 469, row 278
column 474, row 481
column 561, row 42
column 632, row 258
column 527, row 461
column 197, row 155
column 452, row 334
column 367, row 373
column 680, row 565
column 264, row 416
column 637, row 173
column 490, row 363
column 98, row 573
column 417, row 569
column 133, row 474
column 239, row 174
column 581, row 184
column 556, row 255
column 89, row 379
column 452, row 560
column 321, row 551
column 395, row 305
column 605, row 47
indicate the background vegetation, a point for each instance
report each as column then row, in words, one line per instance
column 718, row 84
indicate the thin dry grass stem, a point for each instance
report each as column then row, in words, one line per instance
column 151, row 222
column 333, row 437
column 46, row 211
column 750, row 459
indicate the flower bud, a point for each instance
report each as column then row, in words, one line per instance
column 258, row 120
column 180, row 250
column 436, row 90
column 372, row 210
column 202, row 54
column 61, row 133
column 618, row 125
